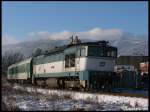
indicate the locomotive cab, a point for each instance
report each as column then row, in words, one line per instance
column 100, row 63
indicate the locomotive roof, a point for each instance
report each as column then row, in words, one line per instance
column 28, row 60
column 62, row 48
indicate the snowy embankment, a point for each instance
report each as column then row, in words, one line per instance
column 133, row 102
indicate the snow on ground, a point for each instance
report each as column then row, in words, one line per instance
column 46, row 99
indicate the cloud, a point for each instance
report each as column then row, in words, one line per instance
column 7, row 39
column 101, row 34
column 38, row 35
column 46, row 35
column 93, row 34
column 61, row 35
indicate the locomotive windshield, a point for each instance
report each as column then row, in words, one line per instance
column 102, row 51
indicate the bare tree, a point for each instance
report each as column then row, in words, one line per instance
column 37, row 52
column 10, row 58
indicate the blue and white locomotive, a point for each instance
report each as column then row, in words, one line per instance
column 85, row 65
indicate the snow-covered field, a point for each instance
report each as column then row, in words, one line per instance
column 28, row 98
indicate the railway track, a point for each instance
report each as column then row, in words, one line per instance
column 126, row 94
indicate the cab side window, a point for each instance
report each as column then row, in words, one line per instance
column 70, row 60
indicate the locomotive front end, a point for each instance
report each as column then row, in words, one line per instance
column 100, row 62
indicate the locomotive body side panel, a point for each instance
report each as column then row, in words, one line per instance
column 53, row 67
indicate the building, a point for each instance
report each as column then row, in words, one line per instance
column 120, row 68
column 131, row 60
column 144, row 68
column 130, row 69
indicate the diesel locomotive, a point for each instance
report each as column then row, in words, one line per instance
column 87, row 65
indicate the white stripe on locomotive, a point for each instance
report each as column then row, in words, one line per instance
column 82, row 64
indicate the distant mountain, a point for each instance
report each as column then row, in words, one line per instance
column 26, row 48
column 134, row 47
column 126, row 46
